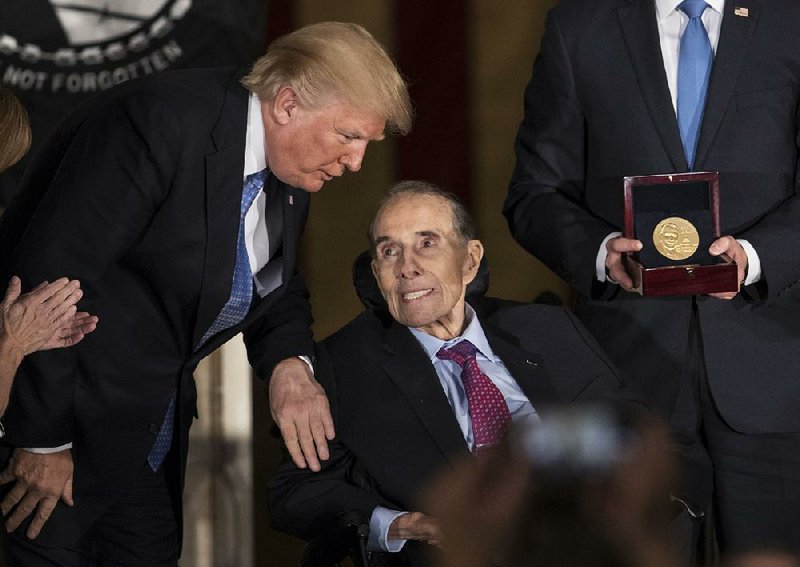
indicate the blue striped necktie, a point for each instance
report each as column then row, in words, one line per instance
column 232, row 313
column 235, row 310
column 694, row 69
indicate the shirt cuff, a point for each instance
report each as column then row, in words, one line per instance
column 753, row 263
column 307, row 360
column 48, row 450
column 379, row 524
column 600, row 263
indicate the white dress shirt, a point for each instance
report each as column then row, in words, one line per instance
column 671, row 25
column 263, row 223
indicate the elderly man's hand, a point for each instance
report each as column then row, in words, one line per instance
column 418, row 526
column 728, row 247
column 300, row 408
column 38, row 318
column 615, row 248
column 41, row 480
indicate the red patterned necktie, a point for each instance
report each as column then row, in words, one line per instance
column 487, row 407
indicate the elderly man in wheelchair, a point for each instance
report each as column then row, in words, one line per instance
column 430, row 373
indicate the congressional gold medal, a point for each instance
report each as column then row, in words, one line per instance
column 676, row 238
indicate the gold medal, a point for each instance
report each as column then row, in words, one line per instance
column 676, row 238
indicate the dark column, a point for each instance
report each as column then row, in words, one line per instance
column 433, row 54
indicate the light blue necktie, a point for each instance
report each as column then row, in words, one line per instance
column 232, row 313
column 694, row 69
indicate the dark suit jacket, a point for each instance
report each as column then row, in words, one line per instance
column 395, row 428
column 598, row 108
column 137, row 194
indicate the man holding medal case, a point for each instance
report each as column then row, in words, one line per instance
column 627, row 88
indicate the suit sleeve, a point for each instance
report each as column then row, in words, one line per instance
column 283, row 332
column 544, row 207
column 305, row 503
column 103, row 182
column 775, row 235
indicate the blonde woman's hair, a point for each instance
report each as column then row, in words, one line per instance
column 15, row 129
column 334, row 61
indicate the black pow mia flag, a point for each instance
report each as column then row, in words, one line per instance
column 55, row 53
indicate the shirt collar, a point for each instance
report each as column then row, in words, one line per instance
column 254, row 150
column 473, row 333
column 665, row 8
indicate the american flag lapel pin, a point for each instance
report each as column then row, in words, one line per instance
column 743, row 12
column 291, row 199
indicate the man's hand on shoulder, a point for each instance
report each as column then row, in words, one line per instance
column 41, row 480
column 728, row 247
column 615, row 248
column 300, row 408
column 418, row 526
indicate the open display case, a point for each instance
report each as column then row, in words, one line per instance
column 676, row 217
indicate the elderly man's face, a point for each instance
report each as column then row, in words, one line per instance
column 421, row 266
column 306, row 147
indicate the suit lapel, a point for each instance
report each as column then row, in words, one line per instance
column 223, row 203
column 290, row 236
column 734, row 40
column 408, row 366
column 286, row 255
column 526, row 367
column 640, row 29
column 287, row 250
